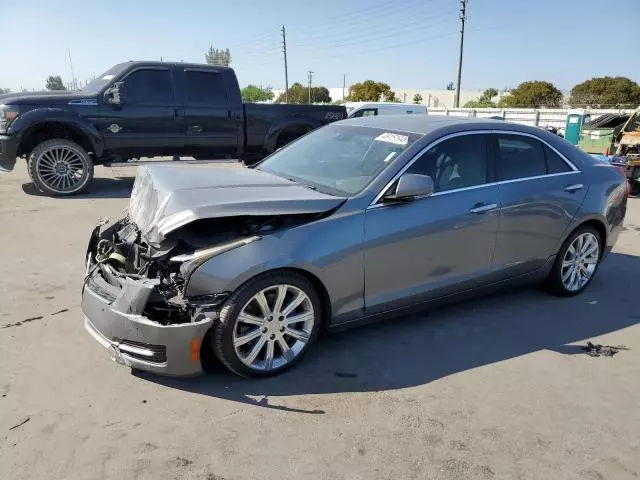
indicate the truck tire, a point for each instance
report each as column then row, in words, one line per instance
column 60, row 167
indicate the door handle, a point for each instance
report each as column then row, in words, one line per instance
column 483, row 207
column 573, row 188
column 195, row 128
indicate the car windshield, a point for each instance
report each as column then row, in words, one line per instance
column 95, row 85
column 339, row 159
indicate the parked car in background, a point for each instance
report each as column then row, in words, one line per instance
column 145, row 109
column 372, row 109
column 360, row 220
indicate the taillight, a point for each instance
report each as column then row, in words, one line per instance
column 621, row 170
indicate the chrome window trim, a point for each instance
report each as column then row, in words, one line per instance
column 574, row 169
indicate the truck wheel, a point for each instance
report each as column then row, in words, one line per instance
column 60, row 167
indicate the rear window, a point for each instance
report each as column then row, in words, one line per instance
column 206, row 87
column 519, row 157
column 555, row 163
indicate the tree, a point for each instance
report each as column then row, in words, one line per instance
column 606, row 92
column 254, row 93
column 54, row 82
column 390, row 96
column 417, row 98
column 218, row 56
column 534, row 94
column 370, row 91
column 4, row 91
column 484, row 101
column 450, row 86
column 298, row 93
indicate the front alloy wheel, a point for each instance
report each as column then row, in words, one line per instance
column 267, row 325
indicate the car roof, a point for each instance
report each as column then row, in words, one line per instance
column 424, row 124
column 143, row 63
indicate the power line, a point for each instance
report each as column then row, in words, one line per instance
column 387, row 47
column 368, row 37
column 378, row 27
column 463, row 17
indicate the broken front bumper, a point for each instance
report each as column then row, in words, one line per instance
column 113, row 316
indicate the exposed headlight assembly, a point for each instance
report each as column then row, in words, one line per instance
column 205, row 253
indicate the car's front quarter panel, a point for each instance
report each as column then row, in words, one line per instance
column 330, row 249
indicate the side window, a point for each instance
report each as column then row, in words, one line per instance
column 149, row 86
column 555, row 164
column 366, row 112
column 519, row 157
column 206, row 87
column 455, row 163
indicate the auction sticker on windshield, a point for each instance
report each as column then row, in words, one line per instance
column 393, row 138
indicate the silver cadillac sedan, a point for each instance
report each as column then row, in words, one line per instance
column 364, row 219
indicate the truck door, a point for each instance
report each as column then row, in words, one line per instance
column 148, row 122
column 212, row 125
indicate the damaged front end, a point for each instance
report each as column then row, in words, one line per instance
column 138, row 268
column 134, row 293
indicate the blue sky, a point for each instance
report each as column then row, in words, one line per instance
column 406, row 43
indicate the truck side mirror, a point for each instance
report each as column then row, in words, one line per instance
column 113, row 95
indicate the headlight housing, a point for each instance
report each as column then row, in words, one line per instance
column 206, row 253
column 7, row 114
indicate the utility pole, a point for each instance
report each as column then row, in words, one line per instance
column 344, row 84
column 286, row 73
column 310, row 73
column 463, row 17
column 73, row 75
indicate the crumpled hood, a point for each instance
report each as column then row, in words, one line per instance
column 167, row 197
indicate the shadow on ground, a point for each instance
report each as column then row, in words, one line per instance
column 119, row 187
column 407, row 352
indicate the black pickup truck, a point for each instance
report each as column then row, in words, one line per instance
column 145, row 109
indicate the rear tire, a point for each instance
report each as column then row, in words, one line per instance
column 60, row 167
column 576, row 263
column 256, row 338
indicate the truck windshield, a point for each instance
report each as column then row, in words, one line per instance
column 95, row 85
column 339, row 159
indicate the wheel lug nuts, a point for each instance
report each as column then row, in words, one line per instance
column 281, row 318
column 270, row 318
column 282, row 329
column 264, row 330
column 272, row 336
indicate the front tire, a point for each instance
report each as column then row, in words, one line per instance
column 576, row 263
column 60, row 167
column 267, row 325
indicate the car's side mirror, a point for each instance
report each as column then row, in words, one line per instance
column 410, row 186
column 113, row 95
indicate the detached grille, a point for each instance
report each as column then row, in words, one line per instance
column 144, row 351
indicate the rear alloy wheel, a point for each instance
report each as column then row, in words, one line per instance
column 60, row 167
column 576, row 263
column 267, row 325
